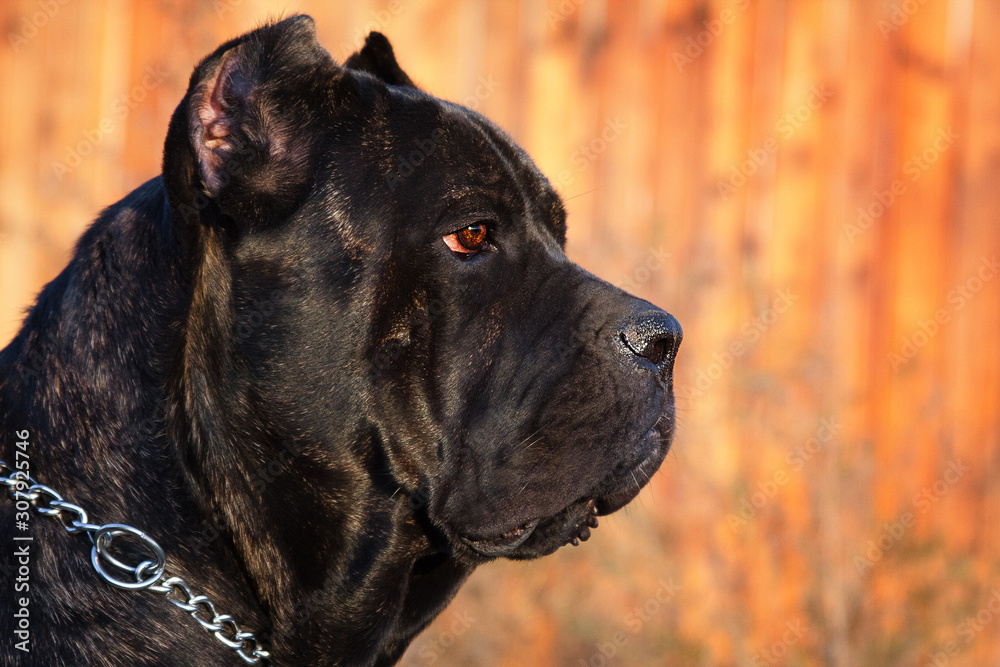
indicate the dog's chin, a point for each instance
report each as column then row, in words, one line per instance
column 573, row 524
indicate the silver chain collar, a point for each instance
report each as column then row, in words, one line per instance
column 147, row 575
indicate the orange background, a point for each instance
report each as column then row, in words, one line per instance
column 811, row 187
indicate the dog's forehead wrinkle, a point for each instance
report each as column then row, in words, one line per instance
column 539, row 203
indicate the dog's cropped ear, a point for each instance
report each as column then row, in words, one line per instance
column 377, row 58
column 244, row 138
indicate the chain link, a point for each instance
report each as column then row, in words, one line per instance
column 148, row 575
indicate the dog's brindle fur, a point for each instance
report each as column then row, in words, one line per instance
column 269, row 360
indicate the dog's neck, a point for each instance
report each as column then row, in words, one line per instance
column 336, row 555
column 314, row 545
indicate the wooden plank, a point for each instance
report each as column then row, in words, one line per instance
column 971, row 377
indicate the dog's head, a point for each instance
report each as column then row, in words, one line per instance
column 396, row 277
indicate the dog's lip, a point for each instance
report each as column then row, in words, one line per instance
column 571, row 525
column 503, row 543
column 652, row 448
column 581, row 531
column 579, row 517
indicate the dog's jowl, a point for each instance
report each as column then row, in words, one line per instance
column 330, row 361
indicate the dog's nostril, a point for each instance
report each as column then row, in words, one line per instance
column 656, row 351
column 654, row 335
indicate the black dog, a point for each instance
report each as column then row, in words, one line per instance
column 331, row 361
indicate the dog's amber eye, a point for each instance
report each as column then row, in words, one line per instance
column 468, row 240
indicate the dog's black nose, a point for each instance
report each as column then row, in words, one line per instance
column 654, row 335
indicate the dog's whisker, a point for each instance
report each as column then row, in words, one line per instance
column 532, row 444
column 530, row 436
column 540, row 465
column 582, row 193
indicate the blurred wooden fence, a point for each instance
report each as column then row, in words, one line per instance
column 811, row 187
